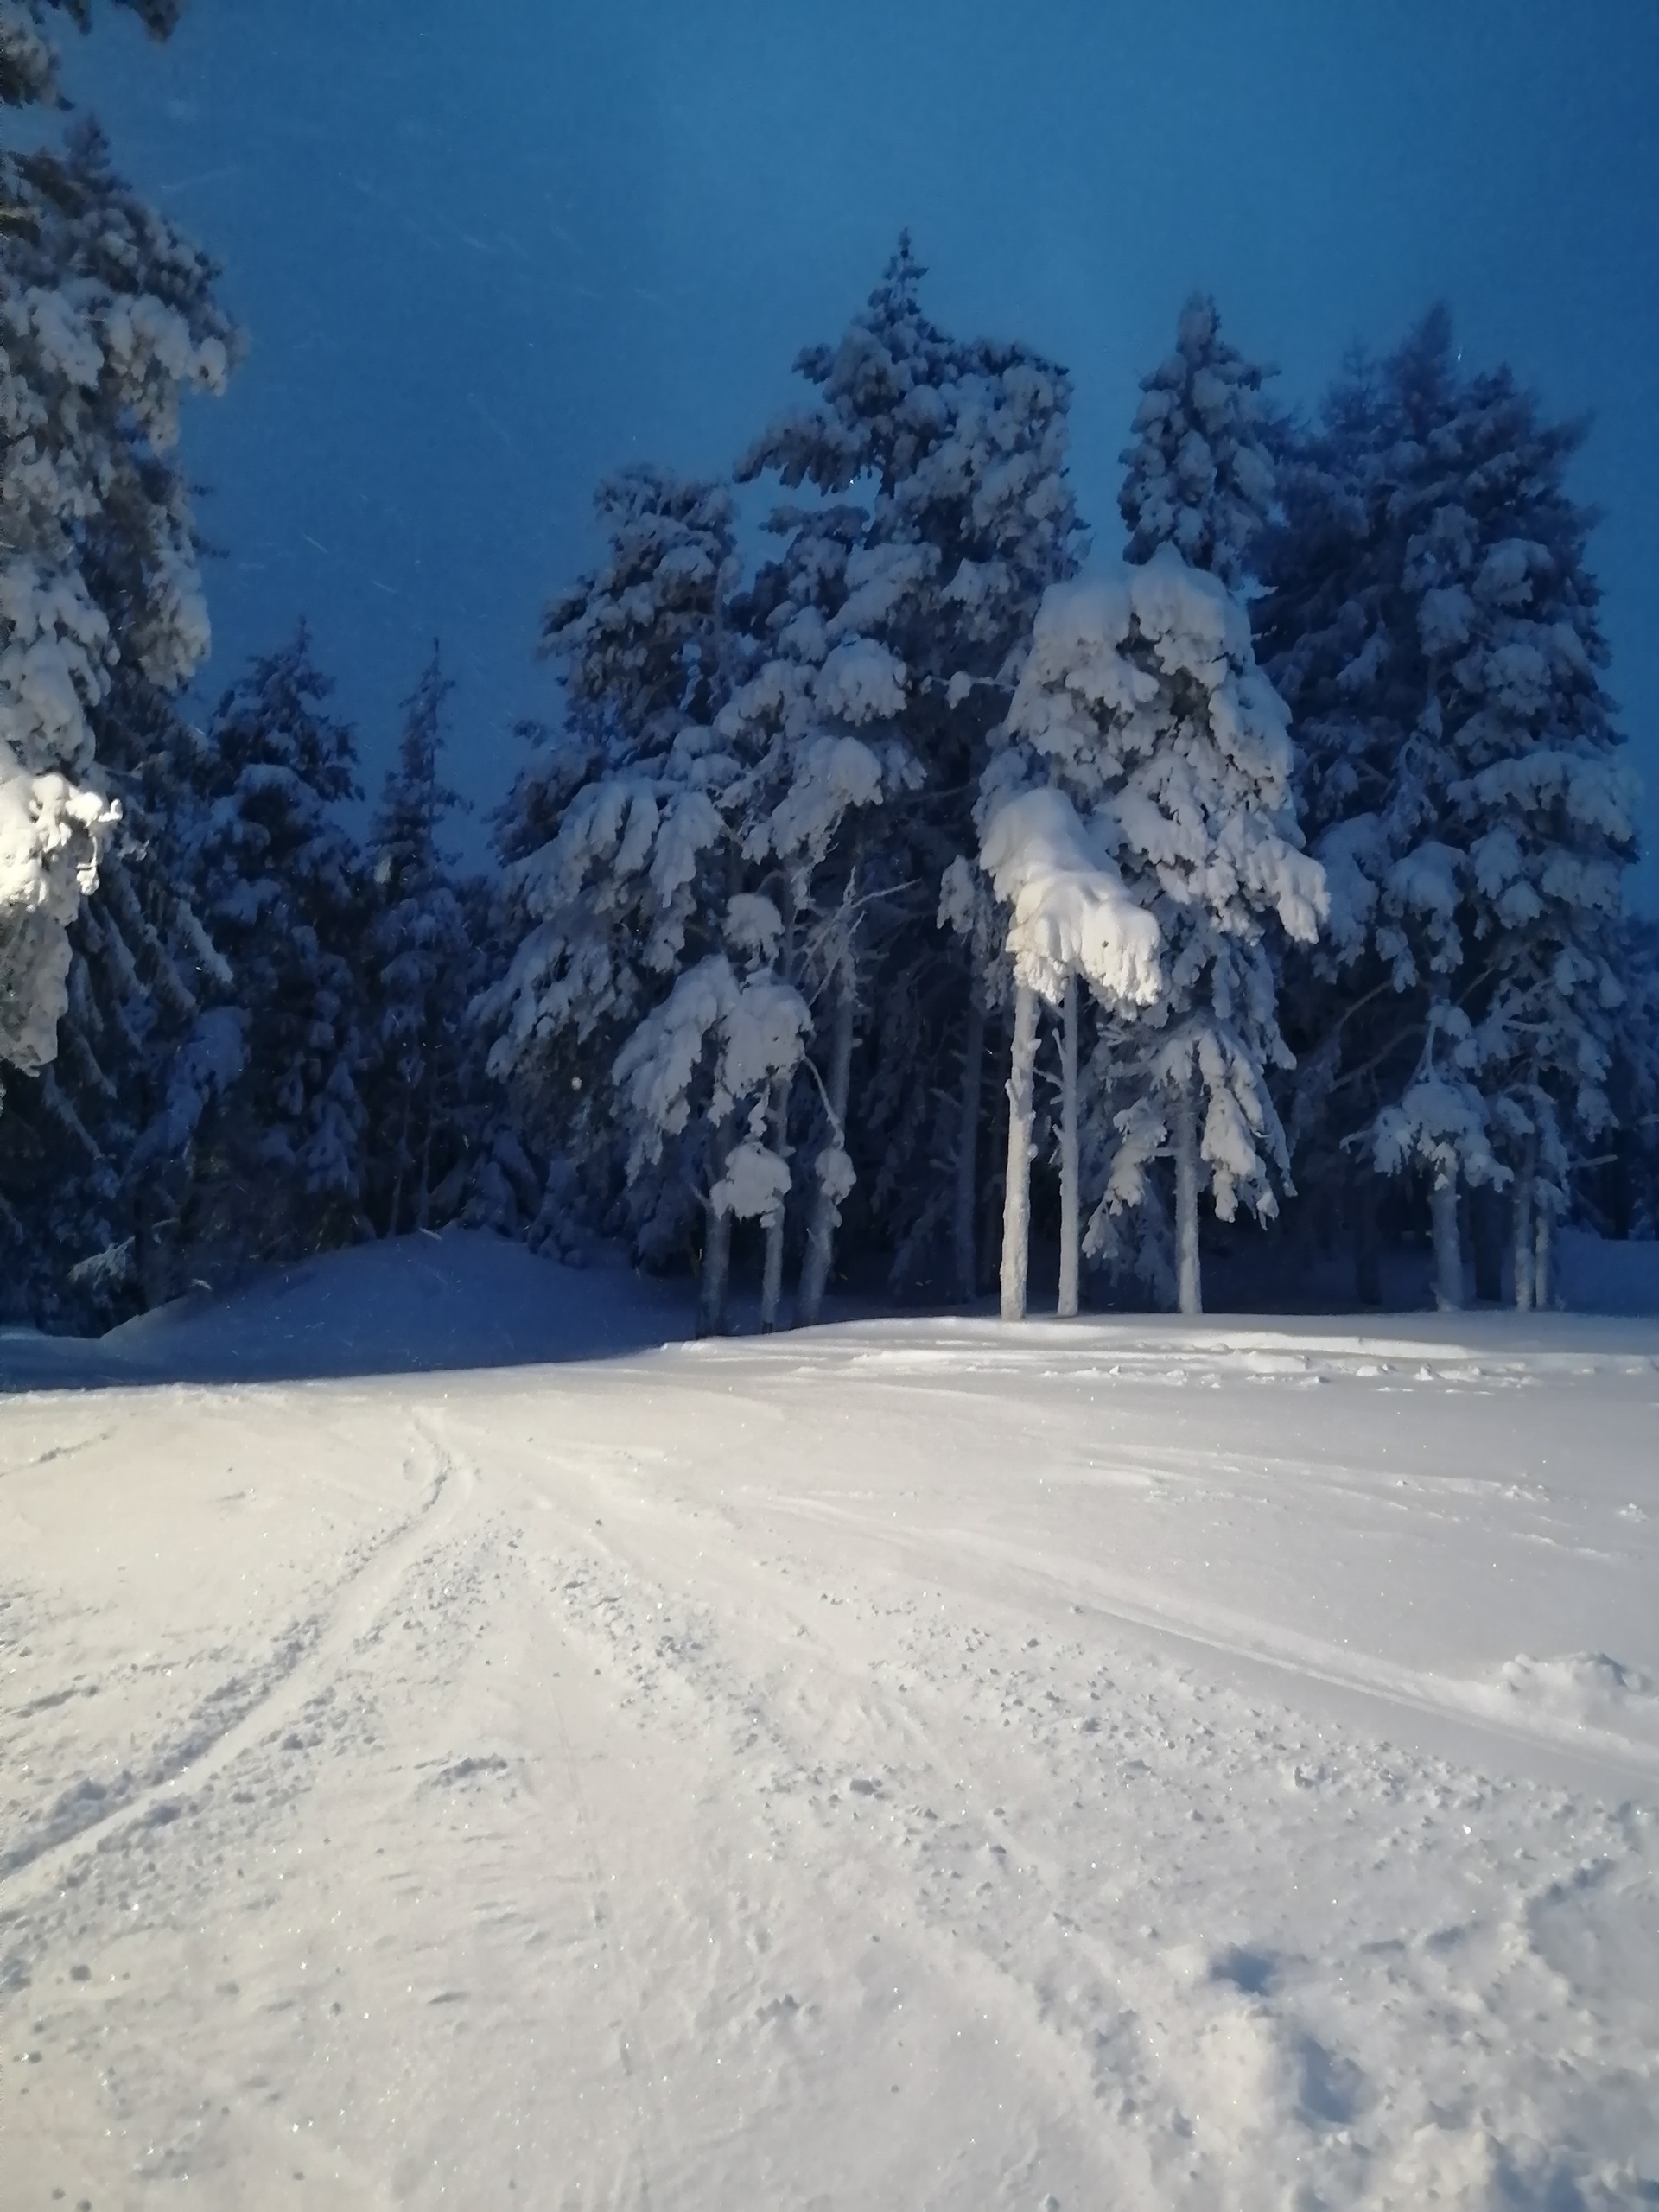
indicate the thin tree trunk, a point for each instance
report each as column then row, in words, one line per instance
column 395, row 1214
column 424, row 1203
column 1070, row 1224
column 1186, row 1118
column 1448, row 1245
column 1521, row 1235
column 771, row 1281
column 826, row 1204
column 1016, row 1192
column 1486, row 1236
column 995, row 1184
column 1543, row 1290
column 1368, row 1258
column 962, row 1228
column 717, row 1246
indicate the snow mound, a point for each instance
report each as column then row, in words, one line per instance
column 1585, row 1690
column 410, row 1305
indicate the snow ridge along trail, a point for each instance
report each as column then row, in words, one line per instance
column 908, row 1766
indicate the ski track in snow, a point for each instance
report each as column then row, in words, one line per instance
column 698, row 1780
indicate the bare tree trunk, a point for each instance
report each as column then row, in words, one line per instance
column 717, row 1246
column 1368, row 1259
column 424, row 1203
column 1186, row 1118
column 1016, row 1193
column 826, row 1203
column 962, row 1227
column 771, row 1280
column 396, row 1213
column 988, row 1210
column 1486, row 1236
column 1543, row 1289
column 1070, row 1224
column 1448, row 1245
column 1520, row 1234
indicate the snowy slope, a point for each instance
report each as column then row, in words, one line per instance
column 917, row 1763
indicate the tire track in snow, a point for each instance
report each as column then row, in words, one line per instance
column 34, row 1867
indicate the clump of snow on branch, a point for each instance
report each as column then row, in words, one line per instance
column 1141, row 700
column 715, row 1044
column 1070, row 914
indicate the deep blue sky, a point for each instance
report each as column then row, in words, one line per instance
column 487, row 249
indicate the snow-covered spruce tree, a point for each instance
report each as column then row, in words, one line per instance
column 1142, row 703
column 816, row 721
column 422, row 967
column 1200, row 475
column 628, row 922
column 107, row 316
column 1199, row 479
column 85, row 1148
column 947, row 457
column 29, row 61
column 1435, row 628
column 274, row 1161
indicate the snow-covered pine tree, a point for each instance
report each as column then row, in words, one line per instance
column 85, row 1148
column 949, row 458
column 274, row 1166
column 29, row 61
column 1200, row 475
column 818, row 719
column 1141, row 704
column 107, row 316
column 423, row 975
column 1199, row 479
column 639, row 994
column 1435, row 628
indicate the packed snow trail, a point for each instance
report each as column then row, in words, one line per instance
column 911, row 1764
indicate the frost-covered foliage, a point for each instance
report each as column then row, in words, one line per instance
column 1435, row 629
column 1142, row 703
column 714, row 1046
column 850, row 802
column 274, row 1165
column 762, row 781
column 1200, row 472
column 942, row 464
column 107, row 319
column 1070, row 914
column 107, row 316
column 29, row 61
column 421, row 966
column 86, row 1147
column 619, row 853
column 598, row 909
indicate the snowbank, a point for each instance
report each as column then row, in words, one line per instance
column 415, row 1304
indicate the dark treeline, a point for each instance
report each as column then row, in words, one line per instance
column 871, row 907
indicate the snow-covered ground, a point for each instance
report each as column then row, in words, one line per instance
column 920, row 1764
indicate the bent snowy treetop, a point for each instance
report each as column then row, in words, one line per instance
column 1071, row 914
